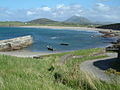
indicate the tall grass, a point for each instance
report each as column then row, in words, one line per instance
column 49, row 74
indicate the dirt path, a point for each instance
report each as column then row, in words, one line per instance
column 97, row 67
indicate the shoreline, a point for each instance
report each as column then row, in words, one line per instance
column 71, row 28
column 30, row 54
column 27, row 53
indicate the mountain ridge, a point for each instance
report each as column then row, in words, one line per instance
column 78, row 20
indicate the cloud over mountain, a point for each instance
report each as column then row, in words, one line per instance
column 98, row 11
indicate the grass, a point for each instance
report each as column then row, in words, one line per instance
column 49, row 74
column 115, row 68
column 16, row 23
column 11, row 23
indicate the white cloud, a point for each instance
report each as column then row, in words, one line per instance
column 102, row 7
column 46, row 9
column 30, row 13
column 60, row 6
column 99, row 12
column 63, row 12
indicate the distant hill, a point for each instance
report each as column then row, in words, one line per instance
column 78, row 20
column 45, row 21
column 115, row 26
column 42, row 21
column 72, row 21
column 11, row 23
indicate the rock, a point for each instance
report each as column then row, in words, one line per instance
column 78, row 56
column 107, row 35
column 15, row 43
column 38, row 57
column 105, row 32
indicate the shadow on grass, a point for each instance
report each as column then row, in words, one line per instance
column 108, row 63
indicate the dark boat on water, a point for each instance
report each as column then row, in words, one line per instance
column 50, row 48
column 66, row 44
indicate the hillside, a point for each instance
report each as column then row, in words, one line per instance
column 78, row 20
column 49, row 22
column 115, row 26
column 49, row 73
column 42, row 21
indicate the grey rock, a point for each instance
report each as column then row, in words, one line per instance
column 15, row 43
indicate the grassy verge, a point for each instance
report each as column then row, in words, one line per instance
column 49, row 74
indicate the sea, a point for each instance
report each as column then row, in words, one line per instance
column 43, row 37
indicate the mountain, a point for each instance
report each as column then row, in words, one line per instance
column 115, row 26
column 42, row 21
column 78, row 20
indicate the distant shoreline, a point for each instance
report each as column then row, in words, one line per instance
column 71, row 28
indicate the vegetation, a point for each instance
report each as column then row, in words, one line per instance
column 42, row 21
column 74, row 21
column 11, row 23
column 49, row 73
column 112, row 71
column 115, row 68
column 111, row 26
column 61, row 24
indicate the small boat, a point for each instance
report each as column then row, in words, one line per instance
column 50, row 48
column 66, row 44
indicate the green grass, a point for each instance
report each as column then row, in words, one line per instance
column 16, row 23
column 11, row 23
column 62, row 24
column 49, row 74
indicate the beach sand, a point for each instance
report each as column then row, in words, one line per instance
column 26, row 53
column 72, row 28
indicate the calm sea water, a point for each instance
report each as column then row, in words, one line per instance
column 53, row 37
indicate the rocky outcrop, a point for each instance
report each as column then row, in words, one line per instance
column 107, row 35
column 15, row 43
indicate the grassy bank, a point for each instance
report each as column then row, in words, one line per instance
column 48, row 73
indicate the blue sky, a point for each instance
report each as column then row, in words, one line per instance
column 26, row 4
column 23, row 10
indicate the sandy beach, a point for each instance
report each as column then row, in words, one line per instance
column 26, row 53
column 71, row 28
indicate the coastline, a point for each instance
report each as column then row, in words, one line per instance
column 27, row 53
column 71, row 28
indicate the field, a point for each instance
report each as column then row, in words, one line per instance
column 11, row 23
column 16, row 23
column 49, row 73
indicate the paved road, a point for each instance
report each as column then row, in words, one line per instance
column 97, row 67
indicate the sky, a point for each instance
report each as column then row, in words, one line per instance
column 25, row 10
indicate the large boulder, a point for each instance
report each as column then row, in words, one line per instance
column 15, row 43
